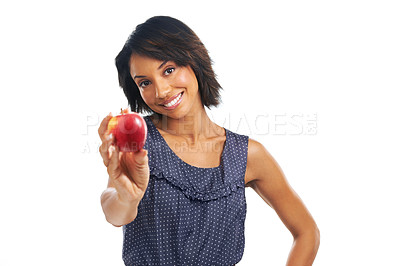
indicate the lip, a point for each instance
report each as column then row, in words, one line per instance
column 171, row 99
column 176, row 104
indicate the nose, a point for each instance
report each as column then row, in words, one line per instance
column 162, row 89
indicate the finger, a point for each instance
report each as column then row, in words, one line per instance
column 113, row 166
column 103, row 126
column 104, row 149
column 137, row 167
column 141, row 157
column 138, row 158
column 122, row 164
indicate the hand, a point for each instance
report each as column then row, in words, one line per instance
column 128, row 171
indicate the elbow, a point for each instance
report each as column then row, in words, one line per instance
column 311, row 235
column 314, row 241
column 316, row 236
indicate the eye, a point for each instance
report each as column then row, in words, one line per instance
column 169, row 71
column 144, row 83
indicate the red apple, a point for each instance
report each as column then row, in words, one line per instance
column 129, row 129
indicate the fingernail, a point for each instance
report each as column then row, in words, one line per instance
column 112, row 148
column 110, row 136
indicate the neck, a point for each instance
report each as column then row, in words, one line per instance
column 193, row 127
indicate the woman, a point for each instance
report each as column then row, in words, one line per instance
column 181, row 198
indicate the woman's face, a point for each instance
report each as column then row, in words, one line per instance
column 165, row 87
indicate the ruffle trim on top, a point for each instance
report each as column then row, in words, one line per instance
column 192, row 193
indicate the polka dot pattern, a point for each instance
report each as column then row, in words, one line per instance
column 189, row 215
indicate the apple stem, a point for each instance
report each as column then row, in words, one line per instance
column 125, row 111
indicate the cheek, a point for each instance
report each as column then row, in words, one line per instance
column 146, row 95
column 185, row 79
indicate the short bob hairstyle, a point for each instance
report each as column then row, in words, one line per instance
column 167, row 39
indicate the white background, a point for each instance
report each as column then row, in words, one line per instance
column 282, row 64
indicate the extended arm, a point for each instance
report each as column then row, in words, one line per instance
column 128, row 179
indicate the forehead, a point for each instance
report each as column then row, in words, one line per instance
column 142, row 64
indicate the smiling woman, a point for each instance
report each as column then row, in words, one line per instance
column 181, row 199
column 164, row 80
column 165, row 39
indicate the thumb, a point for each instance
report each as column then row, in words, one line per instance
column 135, row 160
column 139, row 168
column 140, row 157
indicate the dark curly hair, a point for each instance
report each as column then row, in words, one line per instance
column 167, row 39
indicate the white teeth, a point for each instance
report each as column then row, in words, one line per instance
column 173, row 101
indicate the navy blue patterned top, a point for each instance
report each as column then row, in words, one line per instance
column 189, row 215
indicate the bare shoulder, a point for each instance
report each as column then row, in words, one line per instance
column 258, row 160
column 267, row 179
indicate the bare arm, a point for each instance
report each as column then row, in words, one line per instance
column 128, row 179
column 116, row 211
column 268, row 181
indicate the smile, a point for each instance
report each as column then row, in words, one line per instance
column 174, row 103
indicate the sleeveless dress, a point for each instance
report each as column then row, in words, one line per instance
column 189, row 215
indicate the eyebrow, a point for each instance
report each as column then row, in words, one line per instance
column 162, row 64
